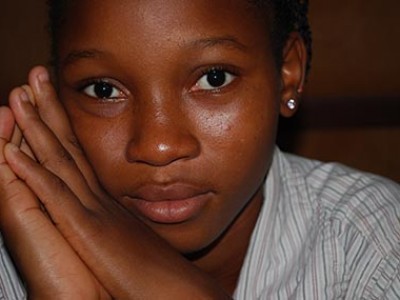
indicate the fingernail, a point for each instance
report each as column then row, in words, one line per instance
column 24, row 96
column 12, row 147
column 43, row 77
column 28, row 90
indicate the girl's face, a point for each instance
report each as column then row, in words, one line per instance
column 175, row 104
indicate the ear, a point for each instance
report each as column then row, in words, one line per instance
column 293, row 74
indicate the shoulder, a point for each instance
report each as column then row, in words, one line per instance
column 325, row 232
column 358, row 220
column 368, row 203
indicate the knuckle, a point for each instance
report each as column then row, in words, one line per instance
column 73, row 144
column 10, row 197
column 56, row 190
column 32, row 122
column 53, row 188
column 73, row 141
column 64, row 156
column 61, row 157
column 8, row 192
column 59, row 185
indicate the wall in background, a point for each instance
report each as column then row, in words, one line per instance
column 23, row 41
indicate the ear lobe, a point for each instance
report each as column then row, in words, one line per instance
column 292, row 74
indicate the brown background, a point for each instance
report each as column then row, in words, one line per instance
column 351, row 109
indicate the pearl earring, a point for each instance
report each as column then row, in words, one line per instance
column 291, row 104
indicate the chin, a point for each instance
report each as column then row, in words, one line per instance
column 190, row 243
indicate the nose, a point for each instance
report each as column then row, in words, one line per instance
column 161, row 138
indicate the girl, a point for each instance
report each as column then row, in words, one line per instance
column 151, row 171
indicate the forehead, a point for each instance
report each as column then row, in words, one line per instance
column 166, row 7
column 137, row 19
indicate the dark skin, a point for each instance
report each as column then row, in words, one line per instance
column 170, row 162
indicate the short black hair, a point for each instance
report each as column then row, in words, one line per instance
column 289, row 16
column 285, row 16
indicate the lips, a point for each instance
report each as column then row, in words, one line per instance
column 169, row 204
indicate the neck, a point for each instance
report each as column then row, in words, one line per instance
column 224, row 259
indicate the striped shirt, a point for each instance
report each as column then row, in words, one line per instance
column 324, row 232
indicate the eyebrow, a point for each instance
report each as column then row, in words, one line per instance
column 210, row 42
column 76, row 55
column 227, row 40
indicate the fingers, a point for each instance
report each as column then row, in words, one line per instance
column 17, row 134
column 23, row 91
column 9, row 129
column 49, row 151
column 17, row 203
column 54, row 116
column 48, row 264
column 17, row 138
column 58, row 199
column 50, row 108
column 15, row 197
column 7, row 123
column 7, row 177
column 38, row 248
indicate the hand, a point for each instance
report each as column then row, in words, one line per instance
column 16, row 137
column 90, row 221
column 50, row 267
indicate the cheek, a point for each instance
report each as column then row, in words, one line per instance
column 239, row 144
column 244, row 131
column 237, row 151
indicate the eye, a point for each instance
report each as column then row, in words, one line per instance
column 214, row 79
column 102, row 89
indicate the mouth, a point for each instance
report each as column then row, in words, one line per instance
column 170, row 204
